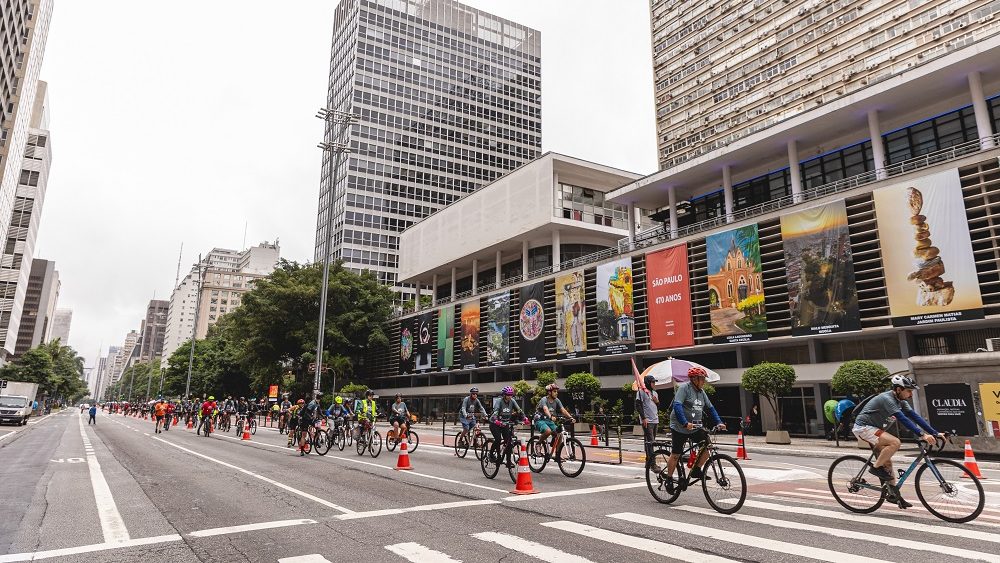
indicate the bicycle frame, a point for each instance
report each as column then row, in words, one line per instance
column 922, row 457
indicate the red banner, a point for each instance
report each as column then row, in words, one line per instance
column 669, row 295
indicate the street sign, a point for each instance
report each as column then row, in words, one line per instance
column 312, row 367
column 577, row 395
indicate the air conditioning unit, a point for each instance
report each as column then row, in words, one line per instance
column 993, row 344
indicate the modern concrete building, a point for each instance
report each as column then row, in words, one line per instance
column 40, row 301
column 110, row 374
column 97, row 377
column 154, row 328
column 61, row 321
column 448, row 99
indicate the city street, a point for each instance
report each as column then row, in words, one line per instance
column 118, row 492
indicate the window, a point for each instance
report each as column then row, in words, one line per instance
column 837, row 165
column 933, row 134
column 588, row 205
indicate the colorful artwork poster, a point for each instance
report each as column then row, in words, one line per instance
column 406, row 346
column 470, row 334
column 531, row 323
column 446, row 338
column 424, row 348
column 735, row 287
column 821, row 292
column 498, row 329
column 668, row 292
column 615, row 313
column 929, row 269
column 571, row 316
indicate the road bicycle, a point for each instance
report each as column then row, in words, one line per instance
column 571, row 456
column 283, row 422
column 369, row 439
column 474, row 437
column 946, row 488
column 722, row 478
column 246, row 420
column 508, row 454
column 412, row 440
column 322, row 439
column 225, row 423
column 205, row 425
column 340, row 432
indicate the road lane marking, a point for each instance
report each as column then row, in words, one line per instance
column 845, row 534
column 11, row 433
column 249, row 528
column 827, row 493
column 421, row 508
column 574, row 492
column 36, row 421
column 313, row 558
column 288, row 488
column 984, row 519
column 34, row 556
column 419, row 554
column 530, row 548
column 112, row 524
column 642, row 544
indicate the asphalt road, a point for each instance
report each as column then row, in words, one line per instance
column 118, row 492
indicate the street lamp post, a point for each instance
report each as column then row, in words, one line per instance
column 194, row 328
column 339, row 123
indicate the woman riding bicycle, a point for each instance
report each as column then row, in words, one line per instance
column 398, row 416
column 502, row 421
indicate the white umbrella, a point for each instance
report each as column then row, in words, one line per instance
column 674, row 370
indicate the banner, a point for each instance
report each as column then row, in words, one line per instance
column 446, row 337
column 424, row 349
column 470, row 334
column 668, row 293
column 989, row 395
column 615, row 313
column 571, row 316
column 498, row 329
column 272, row 392
column 735, row 288
column 930, row 272
column 531, row 323
column 405, row 346
column 951, row 408
column 820, row 270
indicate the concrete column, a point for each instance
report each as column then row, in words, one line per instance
column 878, row 145
column 727, row 191
column 434, row 290
column 524, row 260
column 672, row 200
column 796, row 173
column 556, row 250
column 475, row 277
column 499, row 264
column 979, row 107
column 416, row 299
column 631, row 225
column 454, row 281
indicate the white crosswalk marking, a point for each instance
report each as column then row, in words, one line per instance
column 745, row 539
column 530, row 548
column 314, row 558
column 419, row 554
column 846, row 534
column 649, row 546
column 983, row 519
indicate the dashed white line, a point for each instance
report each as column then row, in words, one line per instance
column 530, row 548
column 34, row 556
column 421, row 508
column 249, row 528
column 417, row 553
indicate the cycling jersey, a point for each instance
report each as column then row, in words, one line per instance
column 470, row 407
column 689, row 406
column 878, row 410
column 337, row 411
column 207, row 407
column 285, row 405
column 504, row 411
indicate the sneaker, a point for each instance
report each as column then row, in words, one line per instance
column 696, row 473
column 880, row 472
column 656, row 469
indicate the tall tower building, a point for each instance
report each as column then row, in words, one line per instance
column 154, row 328
column 448, row 99
column 61, row 321
column 40, row 301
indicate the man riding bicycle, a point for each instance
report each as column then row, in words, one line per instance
column 241, row 411
column 545, row 415
column 471, row 406
column 338, row 411
column 502, row 421
column 869, row 424
column 285, row 407
column 399, row 415
column 690, row 402
column 308, row 418
column 207, row 408
column 366, row 410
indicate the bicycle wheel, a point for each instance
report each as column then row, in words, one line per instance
column 488, row 463
column 375, row 446
column 512, row 458
column 253, row 427
column 571, row 457
column 341, row 439
column 306, row 444
column 360, row 444
column 949, row 490
column 324, row 440
column 853, row 487
column 724, row 484
column 412, row 441
column 479, row 445
column 390, row 440
column 656, row 480
column 461, row 444
column 538, row 454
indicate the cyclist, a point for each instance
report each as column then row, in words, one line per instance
column 869, row 423
column 286, row 406
column 545, row 415
column 308, row 418
column 293, row 420
column 338, row 411
column 170, row 409
column 505, row 408
column 690, row 402
column 207, row 408
column 241, row 413
column 647, row 404
column 398, row 415
column 470, row 407
column 159, row 411
column 367, row 411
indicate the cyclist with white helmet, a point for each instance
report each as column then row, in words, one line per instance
column 470, row 407
column 869, row 425
column 545, row 414
column 502, row 421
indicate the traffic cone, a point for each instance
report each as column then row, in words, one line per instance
column 593, row 435
column 741, row 451
column 403, row 461
column 246, row 432
column 970, row 462
column 692, row 458
column 524, row 486
column 190, row 424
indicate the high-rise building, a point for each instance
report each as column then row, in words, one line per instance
column 61, row 321
column 154, row 328
column 97, row 376
column 40, row 301
column 448, row 99
column 110, row 375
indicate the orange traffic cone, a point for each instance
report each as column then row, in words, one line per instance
column 190, row 424
column 524, row 486
column 692, row 458
column 403, row 461
column 741, row 451
column 970, row 462
column 593, row 435
column 246, row 432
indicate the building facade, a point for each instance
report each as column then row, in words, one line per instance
column 40, row 302
column 62, row 319
column 154, row 328
column 448, row 99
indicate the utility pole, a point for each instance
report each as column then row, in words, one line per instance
column 338, row 127
column 194, row 328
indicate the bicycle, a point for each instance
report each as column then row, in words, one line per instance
column 477, row 442
column 849, row 483
column 283, row 422
column 369, row 439
column 224, row 424
column 412, row 440
column 721, row 475
column 508, row 454
column 571, row 456
column 322, row 439
column 339, row 432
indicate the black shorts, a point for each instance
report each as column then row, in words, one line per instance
column 678, row 439
column 305, row 423
column 397, row 418
column 159, row 417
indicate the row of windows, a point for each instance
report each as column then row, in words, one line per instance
column 365, row 238
column 400, row 173
column 414, row 193
column 375, row 221
column 389, row 206
column 29, row 178
column 425, row 129
column 464, row 139
column 453, row 153
column 370, row 257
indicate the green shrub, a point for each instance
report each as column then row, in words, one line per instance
column 860, row 377
column 770, row 380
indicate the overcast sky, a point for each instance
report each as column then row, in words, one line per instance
column 185, row 121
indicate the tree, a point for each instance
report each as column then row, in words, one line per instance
column 542, row 379
column 584, row 382
column 354, row 389
column 770, row 380
column 861, row 378
column 57, row 370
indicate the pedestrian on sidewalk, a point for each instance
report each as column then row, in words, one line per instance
column 93, row 415
column 647, row 403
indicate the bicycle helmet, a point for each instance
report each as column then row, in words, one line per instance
column 551, row 387
column 903, row 381
column 474, row 390
column 211, row 397
column 300, row 402
column 508, row 391
column 697, row 371
column 369, row 393
column 339, row 400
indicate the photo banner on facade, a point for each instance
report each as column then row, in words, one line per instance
column 927, row 260
column 821, row 292
column 406, row 344
column 571, row 316
column 498, row 329
column 615, row 312
column 423, row 350
column 446, row 337
column 735, row 287
column 668, row 294
column 531, row 324
column 470, row 334
column 952, row 408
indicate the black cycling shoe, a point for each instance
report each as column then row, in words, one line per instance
column 668, row 485
column 696, row 474
column 880, row 472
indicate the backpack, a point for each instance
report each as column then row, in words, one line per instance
column 852, row 414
